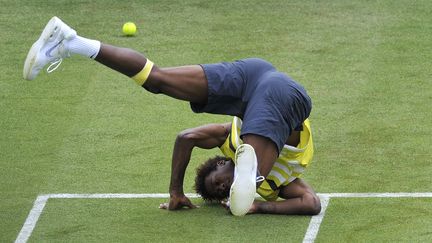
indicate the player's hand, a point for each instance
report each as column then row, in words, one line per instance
column 177, row 202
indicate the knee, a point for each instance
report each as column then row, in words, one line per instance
column 312, row 204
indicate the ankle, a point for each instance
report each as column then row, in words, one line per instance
column 83, row 46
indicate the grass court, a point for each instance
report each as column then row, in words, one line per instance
column 85, row 129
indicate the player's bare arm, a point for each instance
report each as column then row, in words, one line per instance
column 299, row 198
column 206, row 137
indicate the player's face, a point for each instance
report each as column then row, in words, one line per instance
column 219, row 181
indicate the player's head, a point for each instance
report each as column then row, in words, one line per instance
column 214, row 178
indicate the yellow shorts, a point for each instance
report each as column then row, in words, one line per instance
column 267, row 192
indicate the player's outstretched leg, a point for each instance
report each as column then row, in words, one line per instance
column 48, row 49
column 185, row 83
column 59, row 41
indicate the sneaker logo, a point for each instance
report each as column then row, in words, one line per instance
column 48, row 52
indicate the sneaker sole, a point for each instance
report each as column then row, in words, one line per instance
column 52, row 26
column 242, row 191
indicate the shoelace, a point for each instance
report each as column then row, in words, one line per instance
column 260, row 178
column 54, row 65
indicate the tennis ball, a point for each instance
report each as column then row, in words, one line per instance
column 129, row 29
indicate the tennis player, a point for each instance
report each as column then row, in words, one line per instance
column 270, row 104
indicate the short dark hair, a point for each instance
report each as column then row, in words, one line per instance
column 202, row 172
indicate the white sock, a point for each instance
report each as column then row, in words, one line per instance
column 83, row 46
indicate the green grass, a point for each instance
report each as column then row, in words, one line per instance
column 139, row 220
column 87, row 129
column 377, row 220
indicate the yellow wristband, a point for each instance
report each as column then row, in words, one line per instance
column 142, row 76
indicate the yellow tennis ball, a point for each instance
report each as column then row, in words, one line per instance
column 129, row 29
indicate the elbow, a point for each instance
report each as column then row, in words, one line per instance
column 187, row 140
column 312, row 204
column 185, row 137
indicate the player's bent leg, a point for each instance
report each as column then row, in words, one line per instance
column 242, row 191
column 265, row 150
column 256, row 156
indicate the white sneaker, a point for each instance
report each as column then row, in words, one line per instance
column 49, row 48
column 242, row 192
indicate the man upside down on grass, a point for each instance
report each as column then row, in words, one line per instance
column 215, row 176
column 272, row 107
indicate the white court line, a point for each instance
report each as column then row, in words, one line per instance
column 310, row 236
column 32, row 218
column 41, row 200
column 385, row 194
column 315, row 222
column 118, row 195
